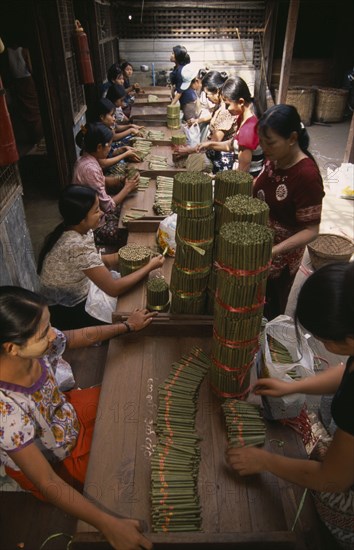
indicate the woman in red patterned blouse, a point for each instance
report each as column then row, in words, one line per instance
column 291, row 184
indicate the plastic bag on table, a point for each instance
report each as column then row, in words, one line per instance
column 279, row 338
column 166, row 234
column 192, row 134
column 98, row 304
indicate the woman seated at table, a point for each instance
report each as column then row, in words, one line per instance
column 117, row 94
column 69, row 260
column 325, row 308
column 46, row 435
column 97, row 140
column 105, row 113
column 248, row 154
column 114, row 76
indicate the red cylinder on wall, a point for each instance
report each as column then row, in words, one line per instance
column 83, row 55
column 8, row 149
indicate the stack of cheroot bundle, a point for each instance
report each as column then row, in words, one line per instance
column 243, row 261
column 240, row 208
column 227, row 184
column 192, row 200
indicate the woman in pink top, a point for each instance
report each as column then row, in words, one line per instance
column 97, row 140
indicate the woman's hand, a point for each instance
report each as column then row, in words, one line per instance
column 135, row 131
column 131, row 184
column 124, row 534
column 203, row 146
column 136, row 127
column 156, row 262
column 140, row 319
column 247, row 460
column 272, row 387
column 133, row 156
column 191, row 121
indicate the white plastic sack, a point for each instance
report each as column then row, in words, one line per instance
column 282, row 328
column 341, row 180
column 192, row 134
column 98, row 304
column 166, row 234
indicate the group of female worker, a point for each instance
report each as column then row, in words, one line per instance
column 45, row 442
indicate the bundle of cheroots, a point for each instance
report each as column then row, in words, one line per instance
column 227, row 184
column 132, row 257
column 242, row 263
column 194, row 239
column 157, row 294
column 173, row 116
column 241, row 208
column 179, row 139
column 163, row 196
column 192, row 195
column 175, row 462
column 244, row 423
column 142, row 147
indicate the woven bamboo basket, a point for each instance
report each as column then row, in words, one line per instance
column 329, row 249
column 303, row 98
column 330, row 104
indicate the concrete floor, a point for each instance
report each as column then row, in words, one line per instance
column 328, row 144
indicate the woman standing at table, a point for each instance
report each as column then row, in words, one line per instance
column 46, row 435
column 221, row 126
column 291, row 184
column 325, row 308
column 248, row 154
column 182, row 92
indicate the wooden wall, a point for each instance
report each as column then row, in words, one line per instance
column 305, row 72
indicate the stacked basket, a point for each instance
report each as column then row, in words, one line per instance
column 192, row 200
column 243, row 259
column 328, row 249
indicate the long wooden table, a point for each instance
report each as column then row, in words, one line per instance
column 251, row 512
column 144, row 199
column 255, row 512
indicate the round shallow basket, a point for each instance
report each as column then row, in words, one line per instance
column 330, row 249
column 330, row 104
column 303, row 98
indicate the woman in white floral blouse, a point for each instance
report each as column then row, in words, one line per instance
column 45, row 435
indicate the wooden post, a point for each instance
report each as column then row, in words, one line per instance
column 288, row 50
column 349, row 150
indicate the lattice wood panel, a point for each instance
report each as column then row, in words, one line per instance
column 67, row 21
column 180, row 23
column 107, row 37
